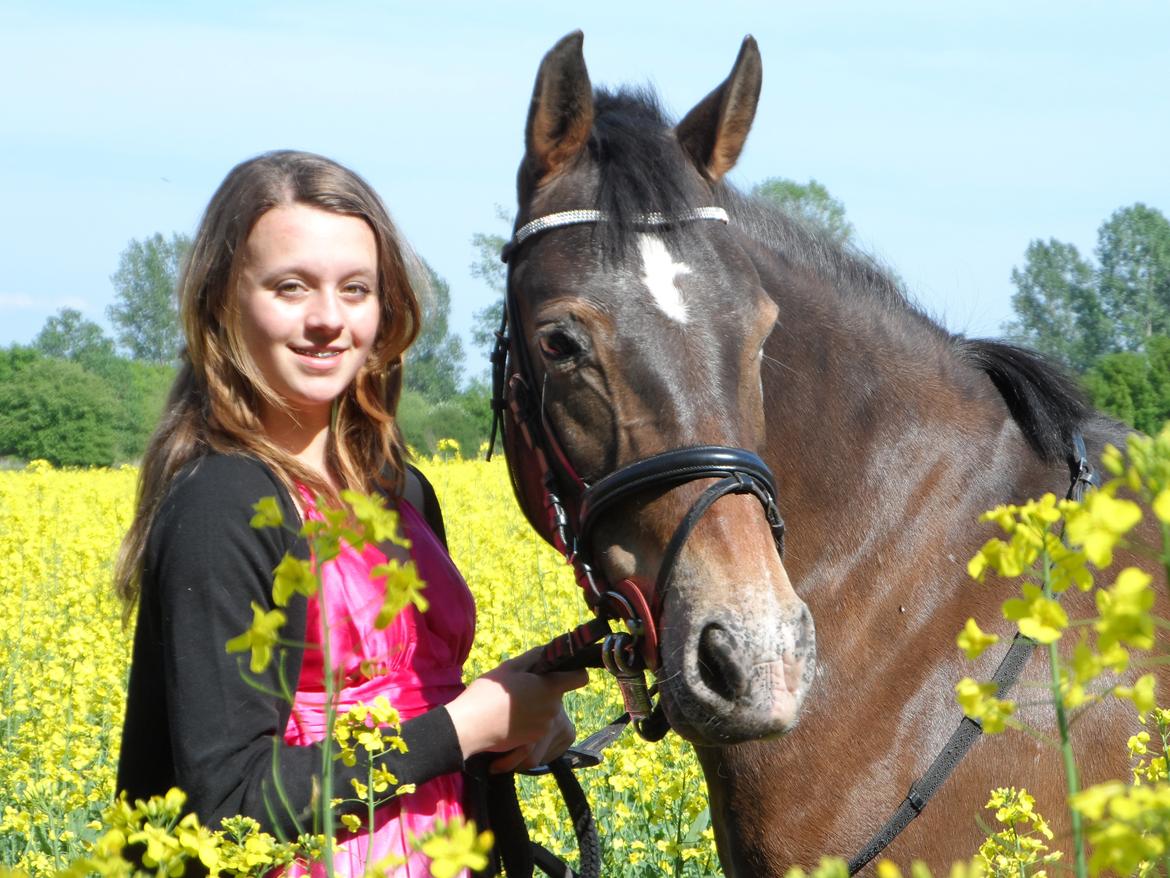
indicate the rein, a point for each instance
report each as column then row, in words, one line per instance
column 969, row 730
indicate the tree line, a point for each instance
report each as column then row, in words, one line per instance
column 1107, row 319
column 77, row 397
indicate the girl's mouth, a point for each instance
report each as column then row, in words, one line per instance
column 317, row 353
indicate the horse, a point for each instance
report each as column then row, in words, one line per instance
column 718, row 358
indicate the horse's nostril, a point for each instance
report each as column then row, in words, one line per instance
column 806, row 638
column 719, row 666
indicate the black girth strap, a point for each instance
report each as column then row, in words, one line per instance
column 969, row 730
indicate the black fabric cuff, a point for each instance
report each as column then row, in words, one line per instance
column 432, row 749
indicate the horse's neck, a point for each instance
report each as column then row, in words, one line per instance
column 871, row 421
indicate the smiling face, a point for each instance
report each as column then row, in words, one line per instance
column 309, row 307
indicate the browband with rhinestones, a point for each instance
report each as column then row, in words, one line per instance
column 580, row 217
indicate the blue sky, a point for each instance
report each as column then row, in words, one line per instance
column 954, row 134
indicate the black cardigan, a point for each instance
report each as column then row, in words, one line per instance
column 191, row 719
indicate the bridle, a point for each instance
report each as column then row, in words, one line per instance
column 572, row 508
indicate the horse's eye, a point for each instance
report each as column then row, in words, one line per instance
column 558, row 345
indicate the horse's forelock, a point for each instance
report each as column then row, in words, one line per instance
column 641, row 166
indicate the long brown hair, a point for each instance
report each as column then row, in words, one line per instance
column 214, row 404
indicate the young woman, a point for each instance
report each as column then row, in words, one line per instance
column 297, row 307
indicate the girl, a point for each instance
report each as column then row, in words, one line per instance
column 297, row 306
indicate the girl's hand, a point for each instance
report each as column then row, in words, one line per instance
column 556, row 741
column 509, row 708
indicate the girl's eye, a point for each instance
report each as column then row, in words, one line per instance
column 558, row 346
column 290, row 288
column 356, row 291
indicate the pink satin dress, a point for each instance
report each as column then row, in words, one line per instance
column 416, row 662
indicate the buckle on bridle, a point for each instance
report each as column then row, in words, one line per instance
column 634, row 623
column 624, row 663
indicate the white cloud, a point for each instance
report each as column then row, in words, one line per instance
column 26, row 302
column 18, row 300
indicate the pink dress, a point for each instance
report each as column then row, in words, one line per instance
column 417, row 663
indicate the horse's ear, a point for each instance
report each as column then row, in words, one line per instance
column 714, row 132
column 561, row 114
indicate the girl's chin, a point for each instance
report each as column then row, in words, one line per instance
column 309, row 409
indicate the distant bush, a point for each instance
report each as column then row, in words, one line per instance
column 464, row 418
column 1134, row 387
column 141, row 390
column 55, row 410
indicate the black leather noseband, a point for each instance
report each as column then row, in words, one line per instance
column 739, row 472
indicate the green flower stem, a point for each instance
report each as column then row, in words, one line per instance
column 1166, row 561
column 330, row 724
column 1035, row 734
column 1066, row 751
column 370, row 805
column 1152, row 662
column 1070, row 763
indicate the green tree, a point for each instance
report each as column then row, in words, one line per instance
column 145, row 309
column 140, row 390
column 53, row 409
column 488, row 268
column 1134, row 387
column 1158, row 355
column 1119, row 384
column 434, row 363
column 809, row 201
column 1058, row 311
column 1133, row 251
column 424, row 422
column 69, row 336
column 15, row 358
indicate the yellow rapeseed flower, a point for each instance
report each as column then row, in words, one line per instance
column 456, row 846
column 978, row 701
column 973, row 640
column 1124, row 610
column 1038, row 616
column 403, row 587
column 260, row 638
column 1099, row 523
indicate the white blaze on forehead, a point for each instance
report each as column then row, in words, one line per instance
column 659, row 272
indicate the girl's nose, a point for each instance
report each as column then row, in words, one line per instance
column 324, row 313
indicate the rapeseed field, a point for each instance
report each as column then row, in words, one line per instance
column 64, row 658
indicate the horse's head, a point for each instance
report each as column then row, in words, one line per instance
column 639, row 323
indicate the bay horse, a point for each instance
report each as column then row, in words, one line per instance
column 658, row 317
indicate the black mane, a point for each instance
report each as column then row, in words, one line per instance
column 642, row 169
column 1045, row 400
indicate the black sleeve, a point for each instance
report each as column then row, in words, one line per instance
column 431, row 510
column 223, row 738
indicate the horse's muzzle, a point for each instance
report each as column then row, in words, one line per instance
column 737, row 673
